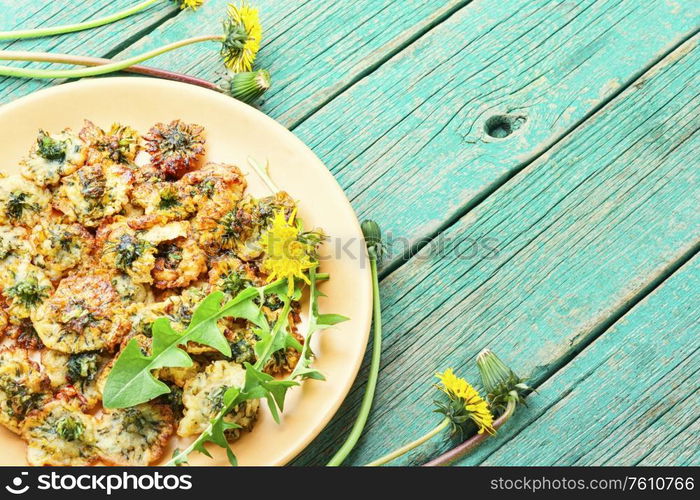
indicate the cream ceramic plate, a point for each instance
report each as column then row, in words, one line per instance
column 234, row 131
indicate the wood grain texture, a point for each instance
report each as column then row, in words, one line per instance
column 313, row 48
column 629, row 398
column 95, row 42
column 408, row 144
column 581, row 234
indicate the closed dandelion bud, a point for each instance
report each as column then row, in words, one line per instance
column 248, row 86
column 501, row 383
column 373, row 237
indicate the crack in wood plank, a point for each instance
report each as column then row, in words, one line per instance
column 586, row 231
column 625, row 399
column 314, row 51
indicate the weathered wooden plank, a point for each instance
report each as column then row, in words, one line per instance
column 96, row 42
column 313, row 48
column 580, row 235
column 408, row 142
column 629, row 398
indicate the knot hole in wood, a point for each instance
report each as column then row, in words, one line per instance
column 500, row 126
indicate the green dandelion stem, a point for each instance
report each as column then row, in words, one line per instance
column 104, row 68
column 472, row 443
column 413, row 444
column 22, row 55
column 368, row 397
column 70, row 28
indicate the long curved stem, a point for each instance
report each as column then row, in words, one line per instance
column 413, row 444
column 23, row 55
column 105, row 68
column 70, row 28
column 367, row 399
column 470, row 444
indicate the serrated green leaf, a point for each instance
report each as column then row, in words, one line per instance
column 243, row 306
column 330, row 319
column 231, row 457
column 131, row 382
column 273, row 340
column 163, row 338
column 208, row 308
column 272, row 407
column 230, row 395
column 291, row 341
column 177, row 458
column 258, row 384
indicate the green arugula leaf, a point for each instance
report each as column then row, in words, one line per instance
column 130, row 382
column 317, row 322
column 258, row 384
column 326, row 320
column 274, row 390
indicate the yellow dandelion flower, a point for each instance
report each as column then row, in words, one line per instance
column 190, row 4
column 243, row 34
column 475, row 407
column 285, row 255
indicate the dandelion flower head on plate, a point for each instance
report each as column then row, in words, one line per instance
column 286, row 256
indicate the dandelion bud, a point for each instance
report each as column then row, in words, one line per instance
column 373, row 237
column 248, row 86
column 501, row 383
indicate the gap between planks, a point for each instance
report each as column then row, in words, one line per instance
column 644, row 363
column 397, row 262
column 675, row 245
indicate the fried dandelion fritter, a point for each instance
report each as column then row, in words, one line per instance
column 93, row 192
column 23, row 387
column 203, row 398
column 54, row 156
column 60, row 247
column 134, row 436
column 175, row 148
column 59, row 433
column 21, row 202
column 118, row 145
column 26, row 289
column 84, row 314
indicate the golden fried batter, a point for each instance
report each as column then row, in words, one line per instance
column 53, row 156
column 60, row 434
column 84, row 314
column 93, row 192
column 21, row 202
column 60, row 247
column 135, row 436
column 23, row 387
column 203, row 398
column 123, row 249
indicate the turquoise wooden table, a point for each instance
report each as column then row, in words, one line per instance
column 535, row 165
